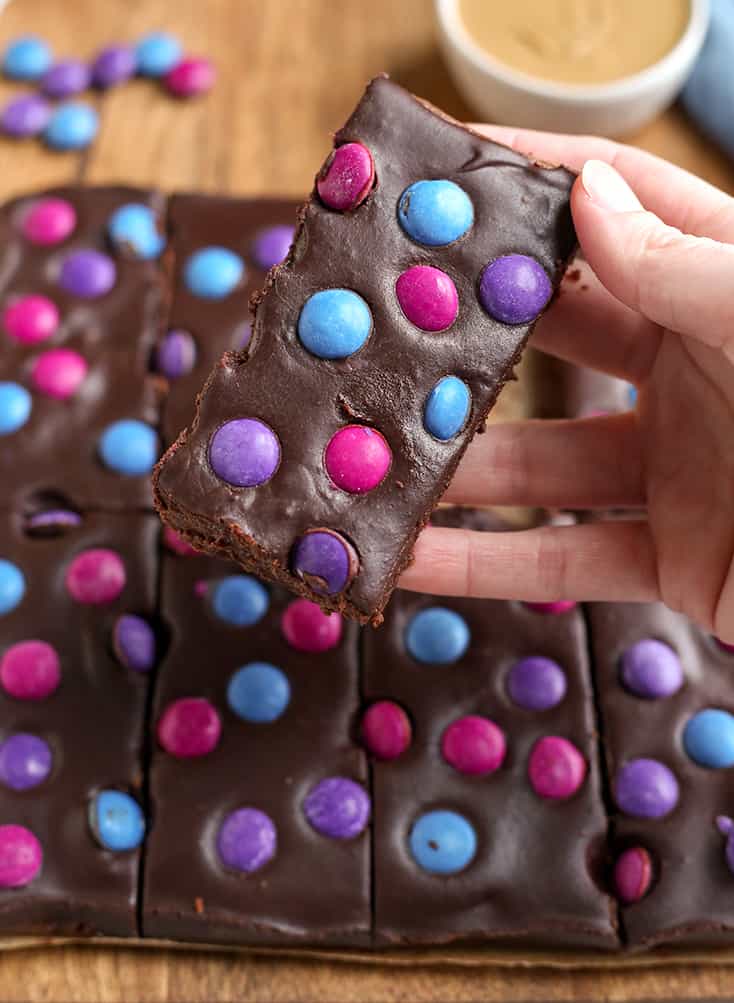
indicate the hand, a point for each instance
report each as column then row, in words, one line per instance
column 659, row 312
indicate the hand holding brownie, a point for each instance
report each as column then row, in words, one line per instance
column 654, row 306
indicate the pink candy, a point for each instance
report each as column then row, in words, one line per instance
column 428, row 298
column 386, row 730
column 30, row 670
column 30, row 319
column 474, row 745
column 59, row 373
column 176, row 543
column 96, row 576
column 556, row 768
column 724, row 646
column 306, row 627
column 633, row 874
column 21, row 856
column 189, row 727
column 347, row 177
column 559, row 606
column 49, row 221
column 357, row 459
column 190, row 77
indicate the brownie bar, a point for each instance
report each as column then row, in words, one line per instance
column 201, row 329
column 670, row 771
column 77, row 645
column 254, row 840
column 489, row 820
column 418, row 270
column 79, row 317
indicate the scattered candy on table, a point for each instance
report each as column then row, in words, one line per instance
column 72, row 126
column 27, row 115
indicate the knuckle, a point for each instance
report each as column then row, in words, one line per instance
column 551, row 563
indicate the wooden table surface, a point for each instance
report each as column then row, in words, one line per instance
column 289, row 73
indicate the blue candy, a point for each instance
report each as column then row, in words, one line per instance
column 133, row 226
column 708, row 738
column 157, row 53
column 129, row 447
column 334, row 323
column 15, row 407
column 258, row 692
column 117, row 820
column 12, row 586
column 437, row 636
column 447, row 408
column 632, row 395
column 72, row 127
column 26, row 58
column 213, row 272
column 435, row 212
column 240, row 600
column 443, row 842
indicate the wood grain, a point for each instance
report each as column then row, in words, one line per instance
column 289, row 73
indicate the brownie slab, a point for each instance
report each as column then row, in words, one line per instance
column 201, row 329
column 79, row 317
column 72, row 719
column 489, row 823
column 253, row 841
column 380, row 345
column 670, row 771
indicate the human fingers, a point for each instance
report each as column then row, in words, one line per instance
column 585, row 463
column 609, row 561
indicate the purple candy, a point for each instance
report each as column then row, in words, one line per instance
column 536, row 683
column 176, row 355
column 272, row 245
column 113, row 65
column 247, row 840
column 25, row 761
column 241, row 337
column 325, row 561
column 651, row 669
column 87, row 274
column 133, row 640
column 725, row 825
column 25, row 116
column 52, row 522
column 244, row 452
column 65, row 78
column 337, row 807
column 514, row 289
column 646, row 788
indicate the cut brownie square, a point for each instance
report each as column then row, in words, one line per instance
column 211, row 290
column 490, row 823
column 77, row 644
column 82, row 298
column 666, row 700
column 258, row 789
column 420, row 265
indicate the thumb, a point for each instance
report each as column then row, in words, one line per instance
column 681, row 282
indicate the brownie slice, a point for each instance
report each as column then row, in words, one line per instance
column 200, row 328
column 77, row 646
column 79, row 316
column 490, row 824
column 258, row 788
column 421, row 262
column 666, row 702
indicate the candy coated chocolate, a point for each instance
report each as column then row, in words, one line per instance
column 129, row 447
column 48, row 221
column 258, row 692
column 239, row 600
column 25, row 761
column 651, row 669
column 708, row 738
column 49, row 522
column 646, row 788
column 443, row 842
column 324, row 560
column 271, row 245
column 117, row 821
column 428, row 297
column 134, row 642
column 96, row 576
column 437, row 636
column 435, row 212
column 514, row 289
column 306, row 627
column 247, row 840
column 87, row 274
column 15, row 407
column 556, row 768
column 357, row 459
column 71, row 127
column 21, row 856
column 12, row 586
column 386, row 730
column 133, row 228
column 157, row 53
column 474, row 745
column 189, row 727
column 59, row 373
column 552, row 608
column 176, row 355
column 334, row 323
column 30, row 670
column 26, row 58
column 66, row 78
column 244, row 452
column 30, row 319
column 536, row 683
column 338, row 808
column 190, row 77
column 113, row 65
column 346, row 178
column 633, row 874
column 26, row 115
column 447, row 408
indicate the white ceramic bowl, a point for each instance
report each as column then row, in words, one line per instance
column 507, row 96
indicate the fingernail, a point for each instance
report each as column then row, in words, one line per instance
column 607, row 188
